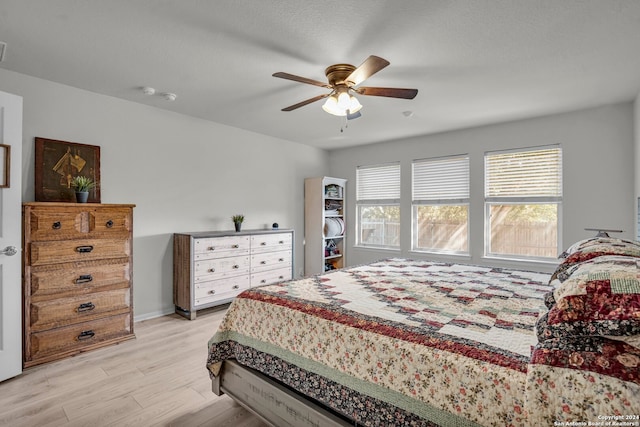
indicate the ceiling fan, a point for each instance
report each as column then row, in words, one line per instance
column 342, row 80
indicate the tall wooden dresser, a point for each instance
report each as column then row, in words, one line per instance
column 77, row 283
column 211, row 268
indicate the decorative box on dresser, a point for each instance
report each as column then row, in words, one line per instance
column 211, row 268
column 77, row 283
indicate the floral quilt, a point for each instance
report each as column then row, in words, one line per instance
column 396, row 342
column 584, row 380
column 585, row 370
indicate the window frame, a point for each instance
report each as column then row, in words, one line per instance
column 377, row 202
column 416, row 203
column 490, row 201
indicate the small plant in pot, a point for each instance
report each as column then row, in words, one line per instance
column 237, row 221
column 82, row 185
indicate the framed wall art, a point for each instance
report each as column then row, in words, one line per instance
column 5, row 165
column 58, row 162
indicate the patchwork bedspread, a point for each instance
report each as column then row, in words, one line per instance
column 396, row 342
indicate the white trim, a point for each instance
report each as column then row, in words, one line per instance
column 154, row 314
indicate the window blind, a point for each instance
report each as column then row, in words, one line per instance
column 376, row 183
column 533, row 173
column 441, row 179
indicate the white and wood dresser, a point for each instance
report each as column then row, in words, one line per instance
column 77, row 283
column 211, row 268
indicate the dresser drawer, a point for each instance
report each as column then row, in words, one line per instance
column 54, row 252
column 76, row 337
column 270, row 260
column 215, row 290
column 60, row 224
column 271, row 276
column 271, row 242
column 213, row 269
column 111, row 222
column 84, row 277
column 65, row 311
column 210, row 247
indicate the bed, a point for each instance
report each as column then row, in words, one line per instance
column 413, row 342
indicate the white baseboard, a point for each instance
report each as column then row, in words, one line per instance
column 154, row 314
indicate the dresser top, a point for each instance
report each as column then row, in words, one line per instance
column 198, row 234
column 78, row 205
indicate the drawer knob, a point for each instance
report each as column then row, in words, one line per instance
column 263, row 281
column 235, row 246
column 236, row 266
column 263, row 262
column 236, row 286
column 87, row 306
column 211, row 292
column 280, row 277
column 85, row 278
column 109, row 224
column 211, row 270
column 86, row 335
column 281, row 259
column 281, row 242
column 211, row 248
column 263, row 243
column 84, row 249
column 56, row 225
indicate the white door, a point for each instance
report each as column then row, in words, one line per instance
column 10, row 236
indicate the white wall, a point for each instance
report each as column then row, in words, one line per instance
column 187, row 174
column 636, row 128
column 184, row 174
column 598, row 172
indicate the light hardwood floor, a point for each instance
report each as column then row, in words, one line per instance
column 158, row 379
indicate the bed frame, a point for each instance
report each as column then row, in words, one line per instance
column 274, row 403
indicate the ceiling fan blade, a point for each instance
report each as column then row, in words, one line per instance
column 368, row 68
column 299, row 79
column 305, row 102
column 390, row 92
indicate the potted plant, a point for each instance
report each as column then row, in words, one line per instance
column 82, row 185
column 237, row 221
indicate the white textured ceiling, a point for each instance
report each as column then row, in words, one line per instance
column 474, row 62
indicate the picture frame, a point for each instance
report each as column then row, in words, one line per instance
column 5, row 165
column 58, row 162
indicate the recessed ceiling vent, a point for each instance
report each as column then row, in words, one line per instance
column 3, row 49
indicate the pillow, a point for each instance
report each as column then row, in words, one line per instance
column 585, row 250
column 601, row 297
column 575, row 247
column 602, row 242
column 600, row 249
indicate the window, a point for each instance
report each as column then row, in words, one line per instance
column 523, row 201
column 378, row 205
column 440, row 205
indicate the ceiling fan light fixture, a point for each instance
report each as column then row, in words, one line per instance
column 354, row 105
column 342, row 103
column 344, row 100
column 331, row 106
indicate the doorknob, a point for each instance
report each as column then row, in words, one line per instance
column 9, row 251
